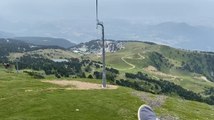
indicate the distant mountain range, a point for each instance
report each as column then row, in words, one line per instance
column 6, row 34
column 9, row 45
column 179, row 35
column 47, row 41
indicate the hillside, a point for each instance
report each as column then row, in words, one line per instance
column 191, row 69
column 135, row 55
column 47, row 41
column 24, row 97
column 8, row 46
column 95, row 46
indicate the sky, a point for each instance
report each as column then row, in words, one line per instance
column 75, row 19
column 193, row 11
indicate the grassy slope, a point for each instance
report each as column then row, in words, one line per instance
column 175, row 108
column 130, row 54
column 186, row 110
column 24, row 98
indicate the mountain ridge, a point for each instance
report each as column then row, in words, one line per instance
column 47, row 41
column 176, row 34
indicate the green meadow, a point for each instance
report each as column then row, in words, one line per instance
column 25, row 98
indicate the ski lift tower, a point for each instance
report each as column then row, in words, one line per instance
column 99, row 23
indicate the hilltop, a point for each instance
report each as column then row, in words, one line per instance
column 193, row 70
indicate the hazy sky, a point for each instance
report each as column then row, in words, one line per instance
column 75, row 19
column 194, row 11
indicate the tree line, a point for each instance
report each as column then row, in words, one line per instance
column 59, row 69
column 162, row 87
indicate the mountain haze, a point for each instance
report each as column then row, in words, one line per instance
column 6, row 34
column 179, row 35
column 182, row 35
column 176, row 34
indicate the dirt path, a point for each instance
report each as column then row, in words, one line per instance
column 141, row 56
column 132, row 66
column 153, row 70
column 78, row 85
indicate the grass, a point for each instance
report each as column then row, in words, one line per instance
column 62, row 104
column 173, row 107
column 195, row 85
column 25, row 98
column 116, row 62
column 186, row 110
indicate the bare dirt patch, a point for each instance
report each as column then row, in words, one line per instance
column 153, row 70
column 205, row 79
column 78, row 85
column 168, row 117
column 153, row 101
